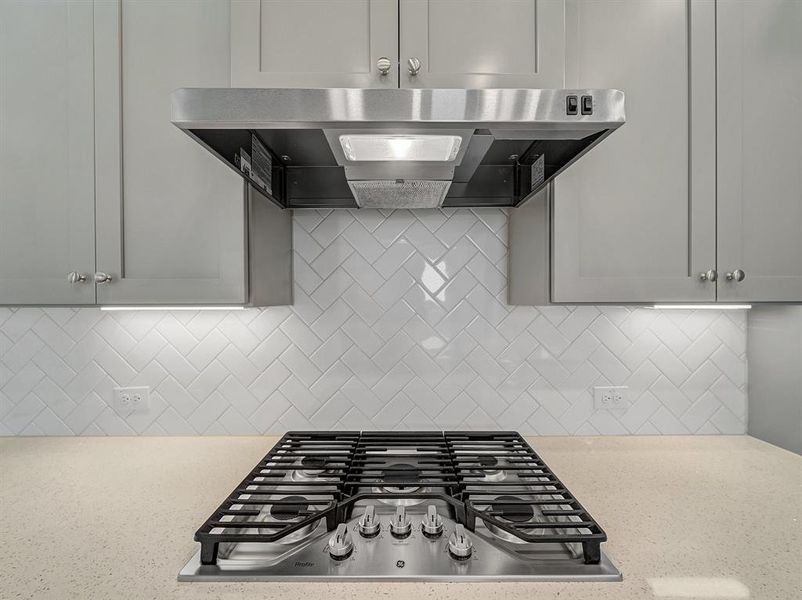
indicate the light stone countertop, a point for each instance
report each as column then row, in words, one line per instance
column 686, row 517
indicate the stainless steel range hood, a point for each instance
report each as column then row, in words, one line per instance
column 401, row 148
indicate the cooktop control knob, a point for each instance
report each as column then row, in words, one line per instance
column 460, row 545
column 400, row 526
column 432, row 525
column 340, row 544
column 369, row 525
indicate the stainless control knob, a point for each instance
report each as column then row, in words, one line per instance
column 736, row 275
column 400, row 526
column 102, row 278
column 432, row 525
column 384, row 65
column 369, row 525
column 340, row 544
column 710, row 275
column 75, row 277
column 413, row 64
column 460, row 545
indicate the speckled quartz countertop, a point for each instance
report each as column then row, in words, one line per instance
column 701, row 517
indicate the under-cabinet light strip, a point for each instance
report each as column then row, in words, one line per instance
column 705, row 306
column 172, row 308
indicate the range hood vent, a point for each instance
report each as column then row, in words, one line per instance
column 402, row 148
column 399, row 193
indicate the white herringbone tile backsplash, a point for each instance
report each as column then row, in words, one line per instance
column 400, row 322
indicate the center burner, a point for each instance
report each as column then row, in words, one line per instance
column 396, row 478
column 401, row 478
column 401, row 505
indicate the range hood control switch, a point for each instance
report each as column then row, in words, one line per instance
column 587, row 105
column 571, row 105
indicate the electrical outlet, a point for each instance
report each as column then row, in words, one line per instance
column 611, row 396
column 132, row 399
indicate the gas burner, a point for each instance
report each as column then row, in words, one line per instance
column 288, row 512
column 392, row 479
column 314, row 462
column 509, row 511
column 397, row 474
column 486, row 460
column 312, row 468
column 515, row 514
column 488, row 468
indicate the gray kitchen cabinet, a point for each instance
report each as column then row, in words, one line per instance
column 759, row 151
column 171, row 219
column 96, row 182
column 46, row 152
column 704, row 177
column 314, row 43
column 482, row 43
column 451, row 43
column 634, row 220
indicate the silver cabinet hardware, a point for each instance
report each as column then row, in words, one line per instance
column 414, row 66
column 710, row 275
column 736, row 275
column 384, row 65
column 102, row 278
column 75, row 277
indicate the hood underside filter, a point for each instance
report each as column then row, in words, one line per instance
column 399, row 193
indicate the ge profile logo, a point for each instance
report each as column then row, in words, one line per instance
column 400, row 564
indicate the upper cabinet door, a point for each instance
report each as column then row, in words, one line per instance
column 46, row 152
column 314, row 43
column 760, row 150
column 171, row 217
column 634, row 220
column 482, row 43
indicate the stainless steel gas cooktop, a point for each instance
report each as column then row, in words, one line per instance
column 417, row 506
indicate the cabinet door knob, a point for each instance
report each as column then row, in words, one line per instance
column 414, row 66
column 384, row 65
column 102, row 278
column 710, row 275
column 736, row 275
column 76, row 277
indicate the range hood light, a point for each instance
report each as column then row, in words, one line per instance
column 384, row 147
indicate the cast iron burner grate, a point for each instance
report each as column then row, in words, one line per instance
column 529, row 503
column 269, row 491
column 400, row 467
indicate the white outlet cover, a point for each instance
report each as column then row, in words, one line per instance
column 132, row 399
column 611, row 397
